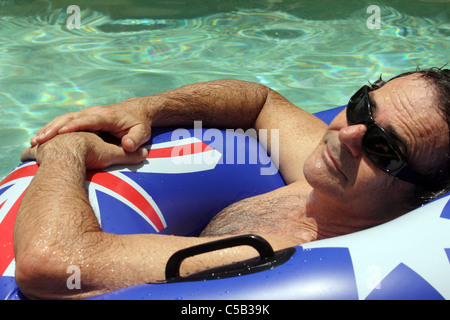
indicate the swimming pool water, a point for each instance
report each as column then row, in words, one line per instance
column 316, row 53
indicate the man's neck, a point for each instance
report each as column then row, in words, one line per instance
column 331, row 218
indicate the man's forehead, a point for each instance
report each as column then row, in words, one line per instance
column 409, row 106
column 410, row 94
column 413, row 86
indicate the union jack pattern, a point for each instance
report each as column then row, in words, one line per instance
column 179, row 156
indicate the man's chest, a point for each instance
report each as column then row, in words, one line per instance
column 281, row 213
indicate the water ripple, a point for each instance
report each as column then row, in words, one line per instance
column 47, row 69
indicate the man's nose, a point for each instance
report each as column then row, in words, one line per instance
column 351, row 138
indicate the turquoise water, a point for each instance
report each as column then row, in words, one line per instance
column 316, row 53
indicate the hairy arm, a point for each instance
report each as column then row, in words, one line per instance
column 222, row 103
column 56, row 228
column 292, row 133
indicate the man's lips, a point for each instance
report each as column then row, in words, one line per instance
column 332, row 160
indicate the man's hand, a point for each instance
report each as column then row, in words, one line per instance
column 126, row 120
column 96, row 152
column 222, row 103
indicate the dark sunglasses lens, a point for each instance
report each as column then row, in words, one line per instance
column 357, row 111
column 380, row 151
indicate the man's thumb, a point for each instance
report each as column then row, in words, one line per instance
column 137, row 136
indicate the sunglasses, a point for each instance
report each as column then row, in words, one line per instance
column 377, row 145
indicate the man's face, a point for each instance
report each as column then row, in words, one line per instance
column 339, row 167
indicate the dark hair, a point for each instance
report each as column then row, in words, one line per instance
column 440, row 78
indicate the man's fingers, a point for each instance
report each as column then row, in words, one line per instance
column 135, row 137
column 91, row 124
column 136, row 157
column 125, row 126
column 120, row 156
column 115, row 155
column 28, row 154
column 87, row 119
column 50, row 130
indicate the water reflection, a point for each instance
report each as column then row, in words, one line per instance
column 47, row 69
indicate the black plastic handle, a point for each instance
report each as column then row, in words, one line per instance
column 260, row 244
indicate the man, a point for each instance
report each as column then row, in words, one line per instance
column 362, row 170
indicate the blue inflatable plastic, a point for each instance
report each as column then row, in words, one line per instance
column 195, row 173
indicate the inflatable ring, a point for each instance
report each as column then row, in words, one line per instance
column 407, row 258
